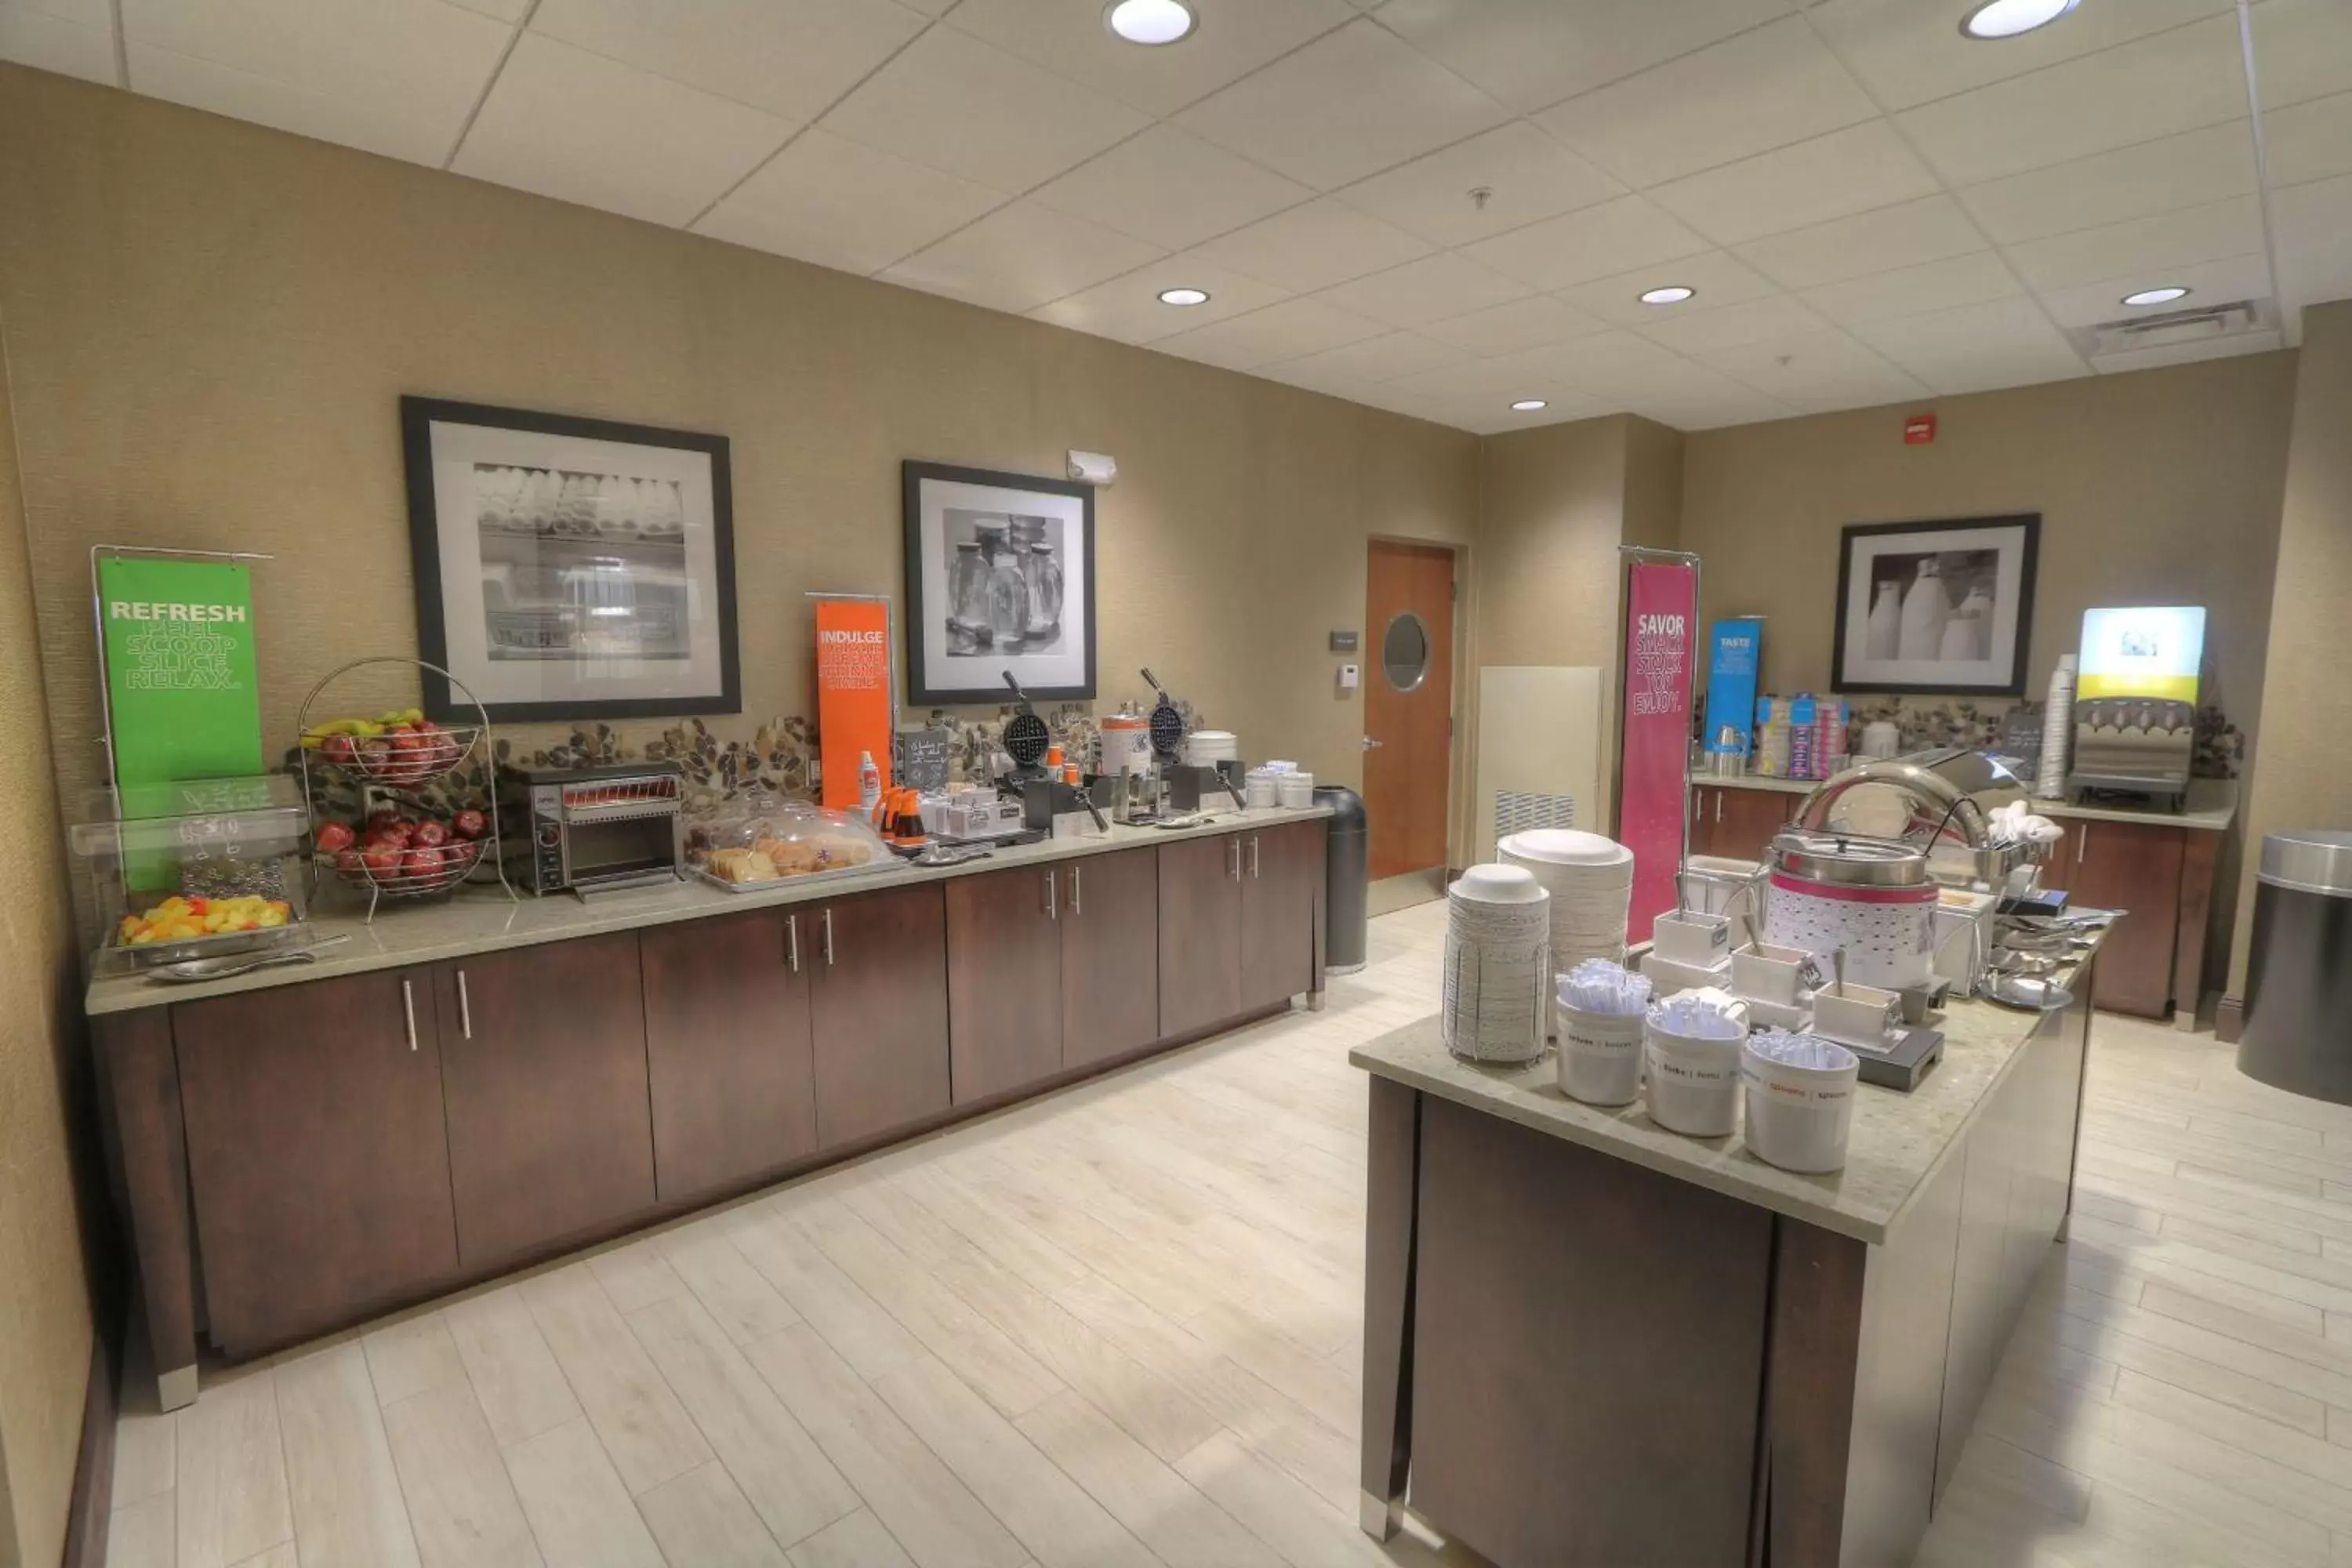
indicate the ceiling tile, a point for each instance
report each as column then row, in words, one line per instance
column 2188, row 170
column 791, row 57
column 841, row 204
column 1128, row 307
column 1969, row 279
column 1691, row 396
column 2186, row 354
column 1313, row 247
column 2158, row 86
column 1817, row 371
column 1850, row 171
column 1285, row 331
column 1976, row 348
column 1907, row 52
column 1880, row 241
column 2210, row 233
column 1596, row 242
column 1729, row 326
column 1171, row 188
column 2315, row 215
column 1762, row 89
column 396, row 76
column 952, row 103
column 1528, row 177
column 581, row 128
column 2208, row 283
column 2303, row 49
column 1719, row 278
column 1430, row 290
column 1594, row 365
column 1532, row 53
column 1369, row 359
column 1486, row 417
column 2311, row 141
column 1350, row 104
column 1475, row 384
column 1019, row 258
column 1521, row 324
column 1067, row 36
column 69, row 38
column 504, row 10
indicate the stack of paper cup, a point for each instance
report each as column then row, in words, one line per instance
column 1497, row 969
column 1590, row 879
column 2057, row 732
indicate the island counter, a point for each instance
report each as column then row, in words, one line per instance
column 457, row 1091
column 1591, row 1343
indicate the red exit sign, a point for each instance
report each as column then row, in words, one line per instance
column 1918, row 429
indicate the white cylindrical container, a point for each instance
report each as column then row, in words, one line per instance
column 1258, row 788
column 1591, row 879
column 1599, row 1056
column 1694, row 1081
column 1126, row 743
column 1799, row 1093
column 1494, row 1002
column 1294, row 790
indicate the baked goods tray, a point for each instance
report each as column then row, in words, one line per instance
column 838, row 874
column 216, row 944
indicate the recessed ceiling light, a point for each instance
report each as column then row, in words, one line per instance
column 1183, row 296
column 1672, row 294
column 1150, row 21
column 2164, row 296
column 2007, row 18
column 1527, row 404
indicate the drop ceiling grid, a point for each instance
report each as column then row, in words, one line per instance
column 1871, row 206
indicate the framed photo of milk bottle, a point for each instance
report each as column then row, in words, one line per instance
column 1938, row 607
column 1000, row 580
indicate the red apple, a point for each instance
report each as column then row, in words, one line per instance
column 470, row 824
column 340, row 750
column 421, row 863
column 430, row 835
column 382, row 818
column 332, row 837
column 382, row 862
column 348, row 860
column 405, row 740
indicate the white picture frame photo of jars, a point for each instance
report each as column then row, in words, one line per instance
column 1000, row 580
column 1940, row 607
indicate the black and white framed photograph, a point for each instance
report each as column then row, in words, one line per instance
column 1941, row 607
column 570, row 568
column 999, row 580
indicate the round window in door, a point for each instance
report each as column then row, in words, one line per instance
column 1404, row 652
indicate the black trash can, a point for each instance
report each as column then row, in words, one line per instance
column 2298, row 1029
column 1346, row 880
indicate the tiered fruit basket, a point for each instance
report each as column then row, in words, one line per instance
column 403, row 844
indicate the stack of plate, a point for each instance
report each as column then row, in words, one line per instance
column 1497, row 974
column 1591, row 879
column 1206, row 748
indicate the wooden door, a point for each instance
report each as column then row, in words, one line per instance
column 316, row 1153
column 1750, row 820
column 727, row 1049
column 1004, row 981
column 1110, row 956
column 543, row 1067
column 879, row 1012
column 2136, row 867
column 1284, row 867
column 1199, row 932
column 1407, row 675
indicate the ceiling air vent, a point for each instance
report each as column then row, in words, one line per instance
column 2238, row 326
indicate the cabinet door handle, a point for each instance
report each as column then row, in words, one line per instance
column 793, row 942
column 1052, row 913
column 1075, row 907
column 465, row 1007
column 1237, row 856
column 408, row 1005
column 828, row 938
column 2082, row 842
column 1253, row 856
column 1718, row 806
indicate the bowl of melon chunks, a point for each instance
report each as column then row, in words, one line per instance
column 182, row 928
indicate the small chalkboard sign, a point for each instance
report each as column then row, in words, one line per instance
column 925, row 757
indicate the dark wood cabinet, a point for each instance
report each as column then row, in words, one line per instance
column 1110, row 955
column 728, row 1053
column 878, row 1010
column 1199, row 934
column 1282, row 872
column 316, row 1153
column 1004, row 981
column 2129, row 866
column 1737, row 823
column 543, row 1071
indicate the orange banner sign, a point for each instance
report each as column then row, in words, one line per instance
column 852, row 693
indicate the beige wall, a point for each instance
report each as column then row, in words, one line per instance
column 212, row 323
column 45, row 1309
column 2306, row 698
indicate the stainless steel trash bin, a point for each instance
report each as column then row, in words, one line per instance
column 1346, row 880
column 2298, row 1030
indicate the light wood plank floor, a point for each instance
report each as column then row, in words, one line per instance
column 1123, row 1326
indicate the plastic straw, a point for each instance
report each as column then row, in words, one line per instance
column 1596, row 985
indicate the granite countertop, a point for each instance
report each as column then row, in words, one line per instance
column 479, row 919
column 1897, row 1143
column 2211, row 806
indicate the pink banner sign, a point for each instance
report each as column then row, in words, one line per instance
column 1654, row 769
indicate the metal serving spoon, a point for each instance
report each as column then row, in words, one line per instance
column 221, row 968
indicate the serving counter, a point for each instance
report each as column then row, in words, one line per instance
column 456, row 1091
column 1591, row 1343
